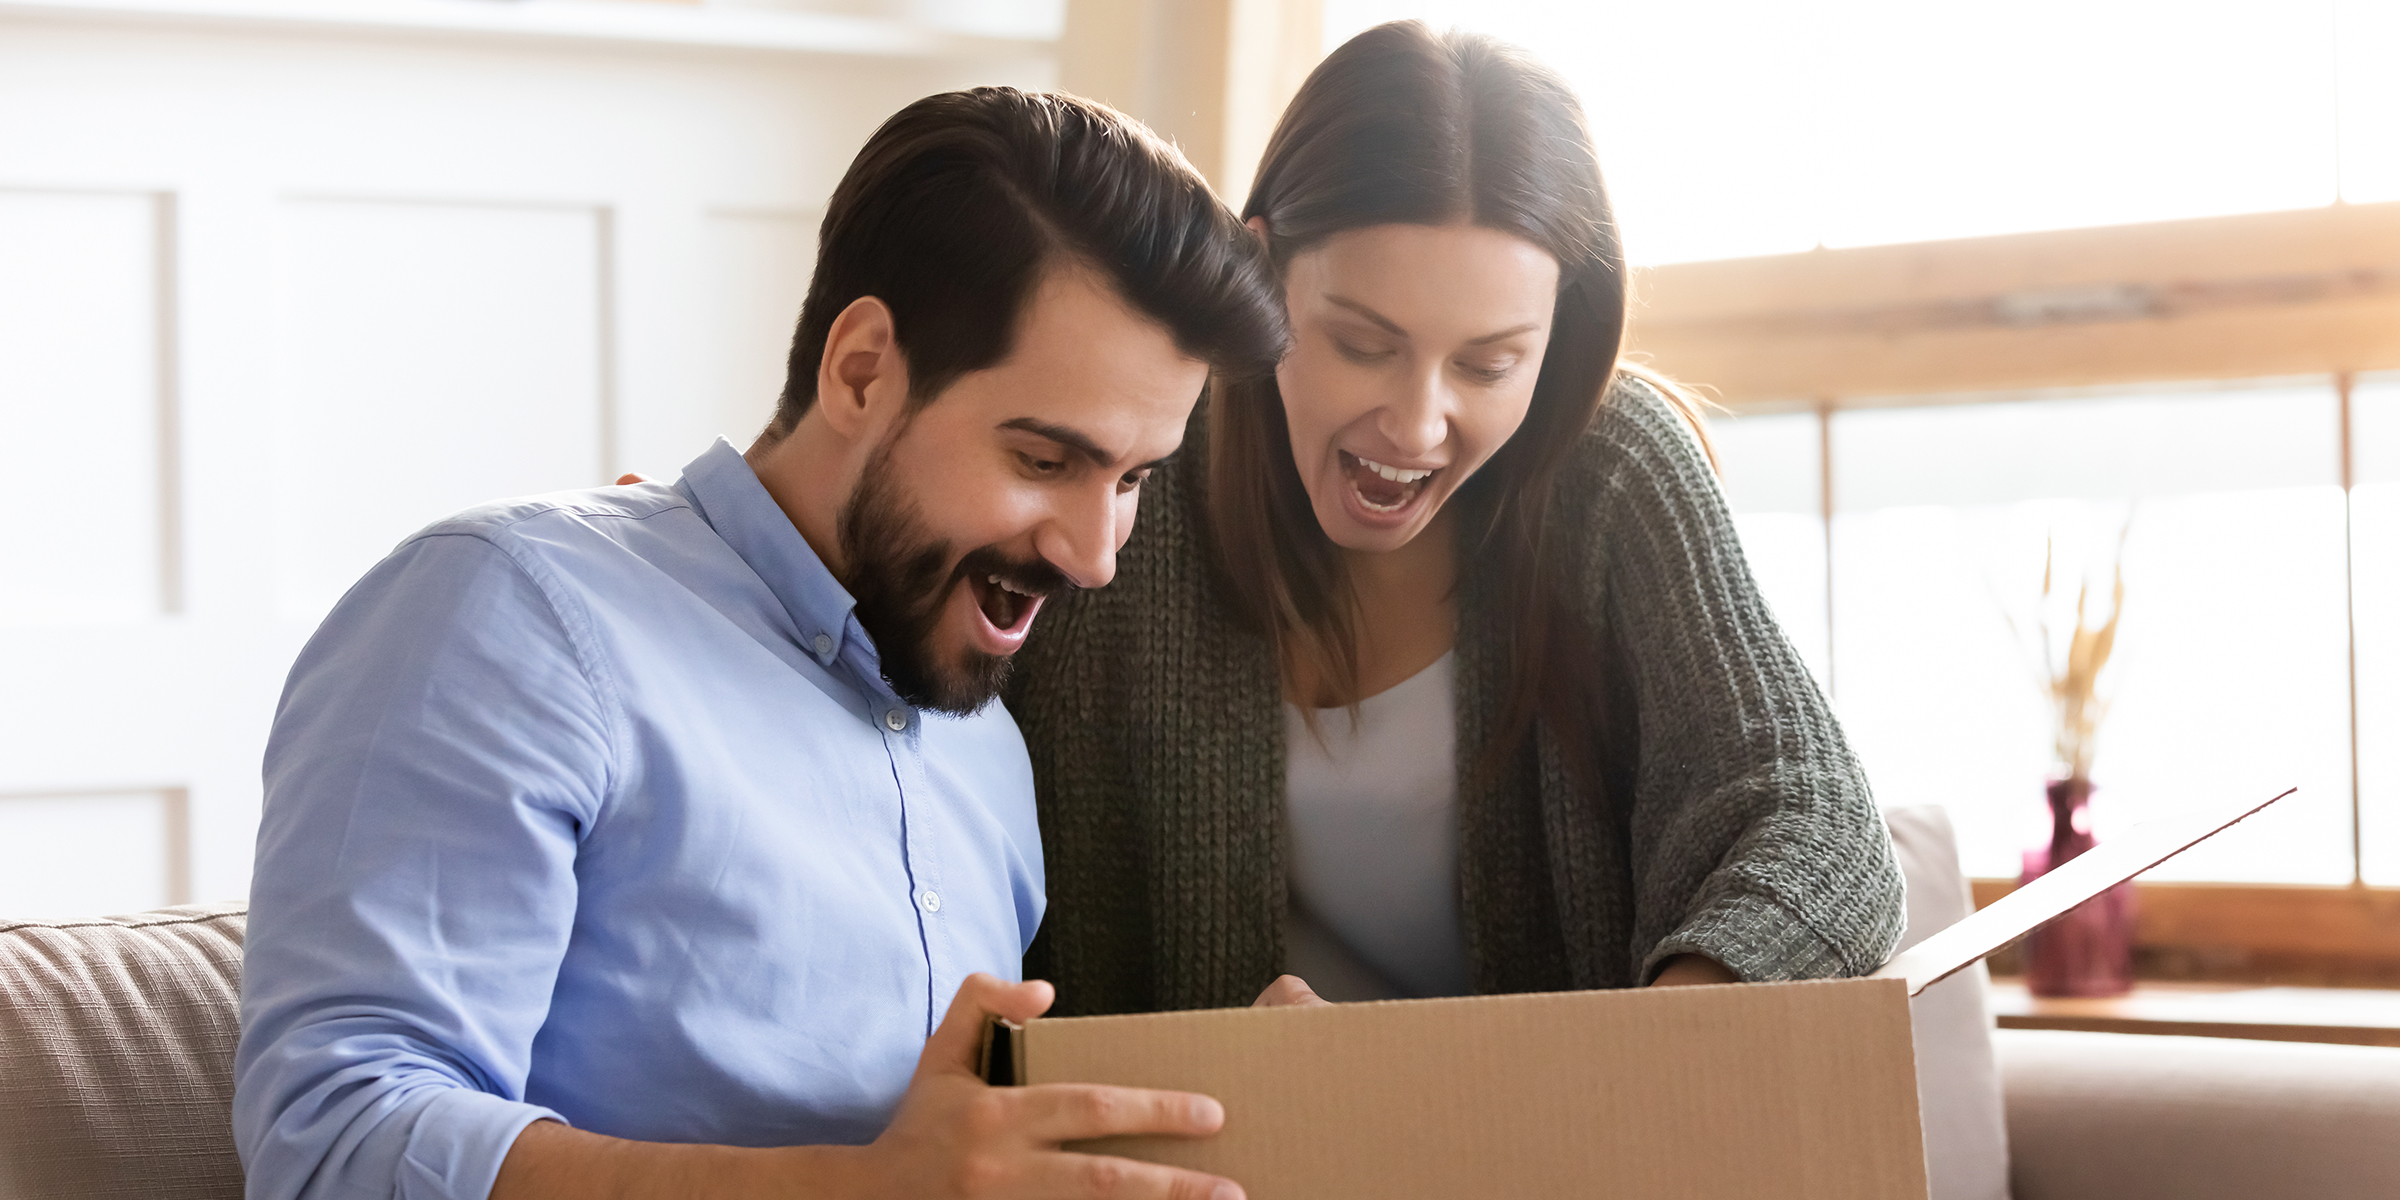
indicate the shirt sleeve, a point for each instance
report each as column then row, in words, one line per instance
column 442, row 746
column 1755, row 839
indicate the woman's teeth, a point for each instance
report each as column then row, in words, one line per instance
column 1395, row 474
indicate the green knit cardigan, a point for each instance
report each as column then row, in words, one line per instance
column 1732, row 821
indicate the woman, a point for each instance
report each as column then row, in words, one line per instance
column 1433, row 664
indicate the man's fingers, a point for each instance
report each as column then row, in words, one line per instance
column 1072, row 1112
column 1287, row 990
column 954, row 1045
column 1102, row 1177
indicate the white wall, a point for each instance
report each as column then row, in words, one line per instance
column 270, row 300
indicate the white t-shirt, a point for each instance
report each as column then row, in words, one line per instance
column 1373, row 815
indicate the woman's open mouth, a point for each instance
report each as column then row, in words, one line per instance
column 1007, row 609
column 1384, row 492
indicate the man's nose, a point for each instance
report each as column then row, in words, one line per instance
column 1081, row 541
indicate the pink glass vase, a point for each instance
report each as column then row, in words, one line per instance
column 2089, row 951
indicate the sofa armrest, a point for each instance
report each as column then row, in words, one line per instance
column 116, row 1056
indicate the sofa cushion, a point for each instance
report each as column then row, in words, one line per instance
column 1958, row 1086
column 2126, row 1116
column 116, row 1055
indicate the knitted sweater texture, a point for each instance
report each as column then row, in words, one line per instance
column 1730, row 820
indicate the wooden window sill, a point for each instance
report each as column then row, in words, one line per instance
column 2348, row 1016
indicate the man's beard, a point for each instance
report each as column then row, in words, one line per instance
column 899, row 577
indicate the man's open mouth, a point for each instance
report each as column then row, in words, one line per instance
column 1382, row 488
column 1007, row 604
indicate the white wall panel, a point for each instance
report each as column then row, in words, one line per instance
column 80, row 406
column 758, row 268
column 342, row 373
column 429, row 357
column 81, row 854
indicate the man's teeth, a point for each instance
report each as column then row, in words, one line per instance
column 1006, row 586
column 1395, row 474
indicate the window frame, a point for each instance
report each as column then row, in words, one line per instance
column 2313, row 292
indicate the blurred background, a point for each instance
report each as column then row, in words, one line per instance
column 1981, row 287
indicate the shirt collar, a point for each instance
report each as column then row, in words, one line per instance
column 727, row 494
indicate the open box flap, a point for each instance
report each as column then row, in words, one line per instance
column 2045, row 899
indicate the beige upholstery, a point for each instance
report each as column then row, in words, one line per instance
column 116, row 1056
column 2136, row 1117
column 1958, row 1087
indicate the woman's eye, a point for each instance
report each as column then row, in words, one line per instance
column 1360, row 354
column 1486, row 372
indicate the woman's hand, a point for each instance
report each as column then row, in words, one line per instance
column 1686, row 969
column 1287, row 990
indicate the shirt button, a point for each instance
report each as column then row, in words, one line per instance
column 824, row 645
column 932, row 900
column 897, row 720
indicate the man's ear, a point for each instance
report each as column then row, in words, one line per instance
column 862, row 369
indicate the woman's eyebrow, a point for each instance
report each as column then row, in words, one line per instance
column 1527, row 327
column 1393, row 327
column 1389, row 325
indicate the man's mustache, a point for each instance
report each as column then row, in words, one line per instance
column 1032, row 576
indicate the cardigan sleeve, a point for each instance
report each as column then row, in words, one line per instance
column 1753, row 837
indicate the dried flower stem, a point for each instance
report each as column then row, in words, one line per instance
column 2073, row 687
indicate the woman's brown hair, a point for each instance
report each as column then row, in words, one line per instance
column 1402, row 125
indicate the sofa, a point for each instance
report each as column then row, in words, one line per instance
column 117, row 1038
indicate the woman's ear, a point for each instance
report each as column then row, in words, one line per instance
column 1258, row 225
column 862, row 367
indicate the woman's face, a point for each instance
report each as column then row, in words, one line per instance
column 1414, row 352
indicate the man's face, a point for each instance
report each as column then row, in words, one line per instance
column 1017, row 482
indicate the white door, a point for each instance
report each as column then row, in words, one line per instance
column 275, row 293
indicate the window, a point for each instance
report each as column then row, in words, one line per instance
column 2230, row 674
column 2375, row 584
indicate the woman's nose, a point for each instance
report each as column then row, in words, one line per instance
column 1419, row 422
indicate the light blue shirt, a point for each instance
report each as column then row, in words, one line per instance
column 596, row 806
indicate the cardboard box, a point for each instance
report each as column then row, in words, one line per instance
column 1798, row 1090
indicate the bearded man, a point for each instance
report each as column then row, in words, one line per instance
column 633, row 842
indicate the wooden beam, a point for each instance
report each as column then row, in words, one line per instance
column 2266, row 294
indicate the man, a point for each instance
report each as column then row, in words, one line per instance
column 633, row 841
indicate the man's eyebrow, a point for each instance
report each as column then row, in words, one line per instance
column 1393, row 327
column 1068, row 436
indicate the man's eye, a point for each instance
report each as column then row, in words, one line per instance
column 1042, row 466
column 1132, row 480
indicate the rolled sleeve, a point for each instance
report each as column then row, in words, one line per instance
column 1755, row 838
column 442, row 747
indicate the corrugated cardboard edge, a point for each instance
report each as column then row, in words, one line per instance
column 1393, row 1100
column 2053, row 895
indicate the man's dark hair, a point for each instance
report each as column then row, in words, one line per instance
column 961, row 201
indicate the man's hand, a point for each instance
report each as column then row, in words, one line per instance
column 1286, row 990
column 955, row 1136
